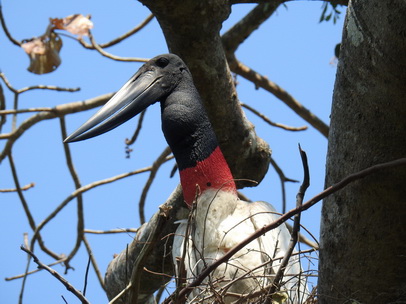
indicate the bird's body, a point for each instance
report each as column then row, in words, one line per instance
column 219, row 219
column 220, row 222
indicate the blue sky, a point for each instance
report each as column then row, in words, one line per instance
column 292, row 48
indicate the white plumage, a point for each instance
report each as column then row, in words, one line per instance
column 221, row 221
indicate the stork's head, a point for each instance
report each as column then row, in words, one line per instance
column 185, row 124
column 153, row 82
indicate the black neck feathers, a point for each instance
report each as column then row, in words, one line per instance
column 186, row 126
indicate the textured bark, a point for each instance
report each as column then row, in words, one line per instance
column 159, row 259
column 192, row 31
column 363, row 233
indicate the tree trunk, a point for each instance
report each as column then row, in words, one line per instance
column 363, row 232
column 192, row 31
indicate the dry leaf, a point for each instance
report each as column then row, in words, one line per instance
column 75, row 24
column 43, row 53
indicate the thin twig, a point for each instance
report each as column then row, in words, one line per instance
column 82, row 190
column 57, row 111
column 122, row 37
column 80, row 216
column 7, row 82
column 111, row 231
column 155, row 167
column 94, row 263
column 35, row 87
column 283, row 180
column 48, row 87
column 87, row 274
column 27, row 211
column 33, row 271
column 26, row 187
column 263, row 82
column 3, row 118
column 275, row 124
column 7, row 112
column 137, row 130
column 3, row 24
column 111, row 56
column 15, row 107
column 295, row 231
column 334, row 188
column 54, row 273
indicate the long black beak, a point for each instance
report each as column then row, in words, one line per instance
column 137, row 94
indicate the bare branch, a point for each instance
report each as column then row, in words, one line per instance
column 61, row 279
column 2, row 107
column 155, row 167
column 143, row 256
column 35, row 87
column 237, row 35
column 111, row 56
column 27, row 211
column 84, row 189
column 283, row 179
column 120, row 230
column 26, row 187
column 263, row 82
column 239, row 32
column 94, row 263
column 3, row 24
column 275, row 124
column 87, row 274
column 295, row 231
column 34, row 271
column 57, row 111
column 7, row 82
column 76, row 181
column 137, row 130
column 7, row 112
column 159, row 260
column 47, row 87
column 122, row 37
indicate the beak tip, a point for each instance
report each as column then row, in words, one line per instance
column 70, row 139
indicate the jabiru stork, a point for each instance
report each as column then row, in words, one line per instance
column 220, row 219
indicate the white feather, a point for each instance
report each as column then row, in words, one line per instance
column 220, row 222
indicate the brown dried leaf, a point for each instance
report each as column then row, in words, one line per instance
column 75, row 24
column 43, row 53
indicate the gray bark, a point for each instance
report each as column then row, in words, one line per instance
column 159, row 261
column 362, row 249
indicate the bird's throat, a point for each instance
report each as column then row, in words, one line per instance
column 210, row 173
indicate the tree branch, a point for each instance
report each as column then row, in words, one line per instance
column 159, row 260
column 154, row 169
column 263, row 82
column 239, row 32
column 120, row 38
column 80, row 191
column 3, row 24
column 79, row 197
column 275, row 124
column 24, row 188
column 60, row 110
column 111, row 56
column 296, row 228
column 54, row 273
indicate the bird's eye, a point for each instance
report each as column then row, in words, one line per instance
column 162, row 62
